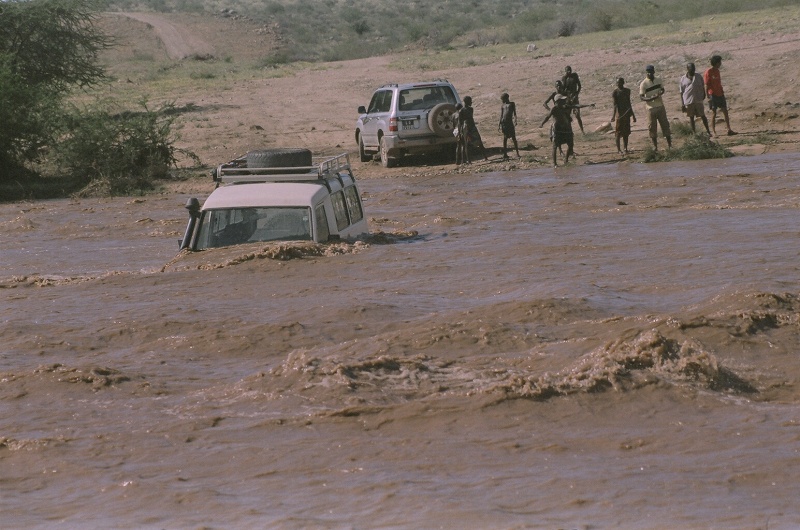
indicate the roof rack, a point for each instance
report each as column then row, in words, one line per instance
column 323, row 167
column 412, row 83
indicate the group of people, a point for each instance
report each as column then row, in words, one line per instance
column 565, row 104
column 467, row 134
column 694, row 89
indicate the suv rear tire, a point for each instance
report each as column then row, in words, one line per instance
column 286, row 157
column 386, row 161
column 440, row 119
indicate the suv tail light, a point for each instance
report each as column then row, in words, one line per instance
column 393, row 125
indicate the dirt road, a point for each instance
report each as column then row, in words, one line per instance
column 180, row 42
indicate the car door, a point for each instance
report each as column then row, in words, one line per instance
column 377, row 117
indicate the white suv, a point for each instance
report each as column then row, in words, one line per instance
column 407, row 118
column 278, row 195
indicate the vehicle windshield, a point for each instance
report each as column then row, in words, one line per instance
column 420, row 98
column 233, row 226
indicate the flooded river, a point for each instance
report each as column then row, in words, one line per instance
column 610, row 346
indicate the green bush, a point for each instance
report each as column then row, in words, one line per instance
column 600, row 20
column 566, row 28
column 682, row 129
column 118, row 153
column 360, row 27
column 28, row 119
column 695, row 147
column 47, row 48
column 529, row 25
column 275, row 59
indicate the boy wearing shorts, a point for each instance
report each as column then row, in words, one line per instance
column 693, row 93
column 716, row 96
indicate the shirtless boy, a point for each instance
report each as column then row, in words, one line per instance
column 623, row 113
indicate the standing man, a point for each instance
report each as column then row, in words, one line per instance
column 469, row 131
column 462, row 155
column 650, row 91
column 572, row 88
column 693, row 93
column 562, row 128
column 508, row 123
column 716, row 96
column 559, row 91
column 623, row 112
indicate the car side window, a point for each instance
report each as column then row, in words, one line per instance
column 340, row 210
column 353, row 204
column 373, row 103
column 384, row 101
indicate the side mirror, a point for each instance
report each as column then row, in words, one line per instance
column 362, row 109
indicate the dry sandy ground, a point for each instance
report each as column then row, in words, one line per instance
column 316, row 107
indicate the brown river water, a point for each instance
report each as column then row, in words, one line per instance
column 608, row 346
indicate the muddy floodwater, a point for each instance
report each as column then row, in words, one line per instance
column 609, row 346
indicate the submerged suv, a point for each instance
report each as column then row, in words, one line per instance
column 278, row 195
column 407, row 118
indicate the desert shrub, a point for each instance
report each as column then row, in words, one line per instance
column 360, row 27
column 116, row 153
column 651, row 155
column 273, row 8
column 349, row 48
column 682, row 129
column 600, row 20
column 482, row 38
column 528, row 26
column 274, row 59
column 202, row 75
column 414, row 30
column 695, row 147
column 567, row 28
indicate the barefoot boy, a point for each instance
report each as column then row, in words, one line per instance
column 508, row 122
column 623, row 112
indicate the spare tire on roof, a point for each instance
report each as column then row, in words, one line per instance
column 441, row 119
column 284, row 157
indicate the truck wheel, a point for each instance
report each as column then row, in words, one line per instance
column 441, row 119
column 361, row 153
column 286, row 157
column 385, row 160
